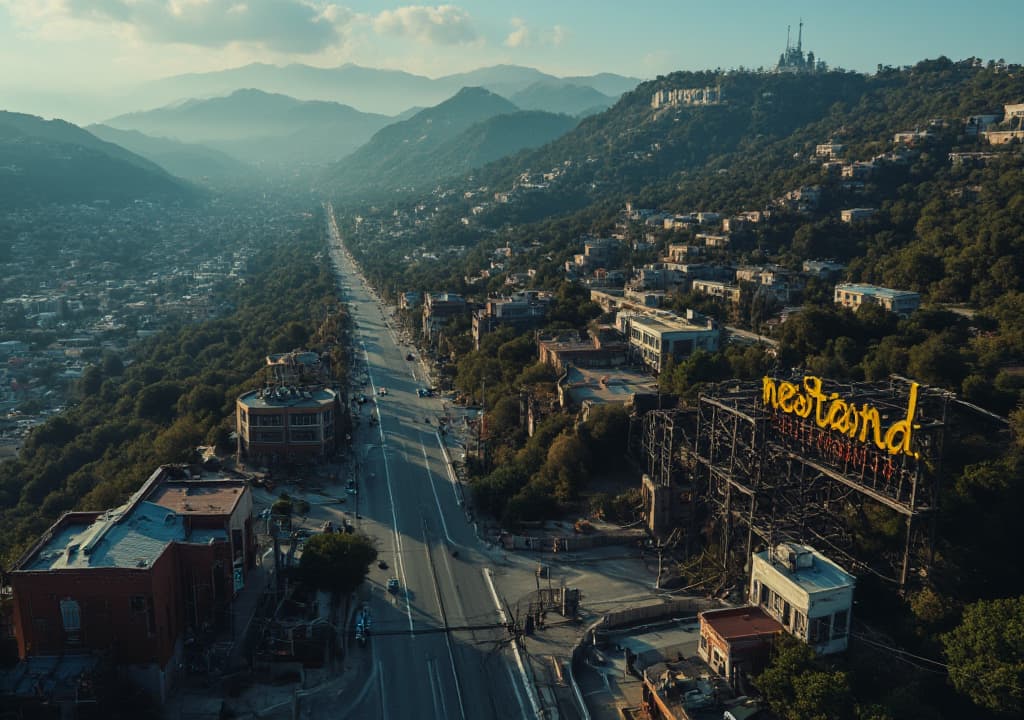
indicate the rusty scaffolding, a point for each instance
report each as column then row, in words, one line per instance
column 768, row 477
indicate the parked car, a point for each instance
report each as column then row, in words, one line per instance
column 382, row 565
column 410, row 356
column 393, row 585
column 383, row 391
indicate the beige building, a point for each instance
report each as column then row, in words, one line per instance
column 853, row 295
column 810, row 596
column 656, row 337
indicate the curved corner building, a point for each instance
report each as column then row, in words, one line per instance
column 283, row 423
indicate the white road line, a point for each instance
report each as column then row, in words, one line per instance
column 447, row 635
column 534, row 702
column 391, row 495
column 433, row 489
column 435, row 689
column 383, row 704
column 451, row 471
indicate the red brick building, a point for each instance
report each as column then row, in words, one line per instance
column 736, row 640
column 129, row 582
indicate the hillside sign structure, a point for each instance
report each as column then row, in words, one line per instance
column 791, row 459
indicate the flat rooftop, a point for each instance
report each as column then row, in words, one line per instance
column 741, row 622
column 666, row 323
column 199, row 497
column 607, row 385
column 299, row 398
column 136, row 534
column 875, row 290
column 117, row 538
column 822, row 576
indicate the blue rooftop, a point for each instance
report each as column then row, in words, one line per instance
column 124, row 537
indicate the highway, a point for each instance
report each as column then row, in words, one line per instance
column 436, row 647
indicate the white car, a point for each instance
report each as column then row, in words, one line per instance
column 383, row 391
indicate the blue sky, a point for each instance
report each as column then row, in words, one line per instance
column 84, row 47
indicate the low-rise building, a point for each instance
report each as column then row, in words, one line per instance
column 439, row 309
column 604, row 347
column 810, row 596
column 829, row 150
column 130, row 583
column 823, row 268
column 853, row 295
column 737, row 641
column 522, row 311
column 282, row 422
column 410, row 300
column 853, row 215
column 658, row 336
column 729, row 292
column 585, row 388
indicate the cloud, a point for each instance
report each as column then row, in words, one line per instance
column 520, row 35
column 440, row 25
column 295, row 26
column 558, row 35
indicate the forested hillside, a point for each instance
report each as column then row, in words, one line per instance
column 177, row 394
column 43, row 162
column 948, row 223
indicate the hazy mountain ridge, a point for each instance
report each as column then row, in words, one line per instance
column 187, row 160
column 260, row 127
column 562, row 97
column 43, row 162
column 397, row 154
column 370, row 89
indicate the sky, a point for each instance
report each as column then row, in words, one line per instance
column 80, row 49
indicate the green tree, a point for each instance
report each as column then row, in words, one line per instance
column 798, row 689
column 338, row 562
column 986, row 655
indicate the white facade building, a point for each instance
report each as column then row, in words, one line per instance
column 807, row 593
column 853, row 295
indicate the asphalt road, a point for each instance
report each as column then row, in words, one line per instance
column 436, row 647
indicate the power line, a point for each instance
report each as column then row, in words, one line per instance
column 903, row 654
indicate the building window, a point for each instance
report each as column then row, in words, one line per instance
column 303, row 419
column 839, row 623
column 304, row 436
column 140, row 605
column 71, row 619
column 704, row 642
column 819, row 630
column 799, row 624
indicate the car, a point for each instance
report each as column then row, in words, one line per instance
column 410, row 356
column 351, row 491
column 393, row 585
column 382, row 565
column 383, row 391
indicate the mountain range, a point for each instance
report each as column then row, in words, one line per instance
column 259, row 127
column 52, row 161
column 387, row 92
column 468, row 130
column 191, row 161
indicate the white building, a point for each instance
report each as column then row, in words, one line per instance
column 657, row 336
column 856, row 214
column 853, row 295
column 807, row 593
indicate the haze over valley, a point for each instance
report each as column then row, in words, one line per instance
column 518, row 360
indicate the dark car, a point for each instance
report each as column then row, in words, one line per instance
column 410, row 356
column 382, row 565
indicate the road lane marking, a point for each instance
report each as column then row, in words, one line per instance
column 433, row 489
column 380, row 678
column 435, row 690
column 451, row 470
column 391, row 495
column 534, row 702
column 444, row 619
